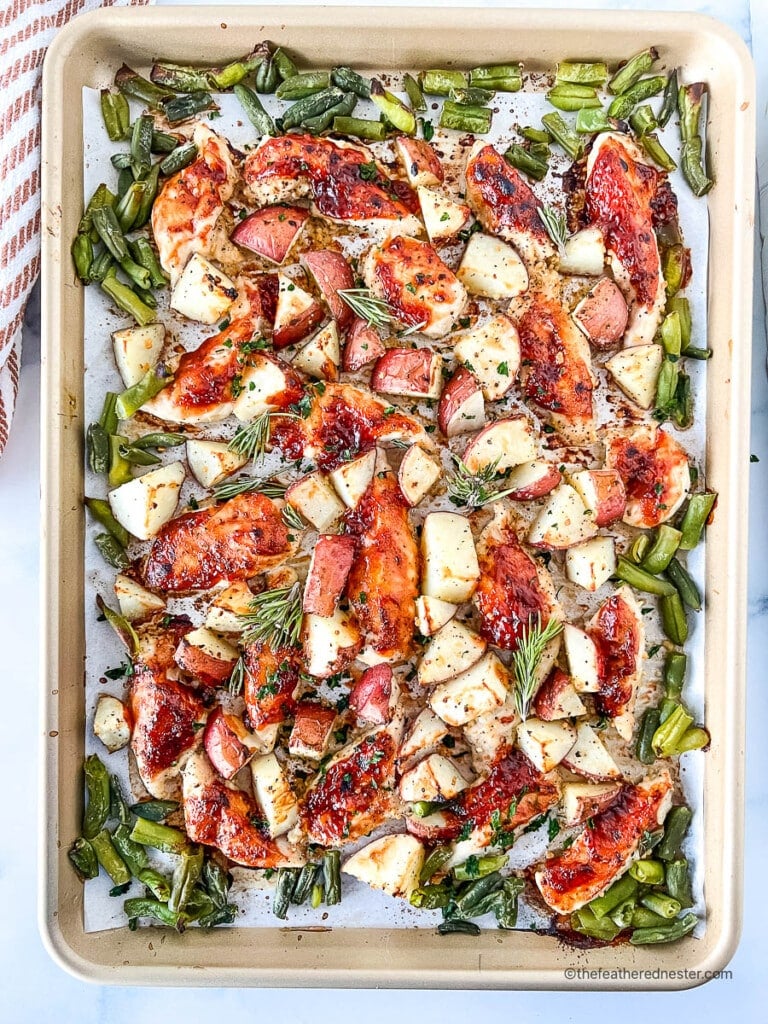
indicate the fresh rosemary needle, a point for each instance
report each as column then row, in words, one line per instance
column 237, row 678
column 245, row 484
column 474, row 489
column 526, row 658
column 364, row 304
column 274, row 618
column 557, row 229
column 252, row 439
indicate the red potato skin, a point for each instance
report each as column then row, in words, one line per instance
column 312, row 726
column 547, row 482
column 404, row 371
column 370, row 696
column 331, row 561
column 603, row 315
column 421, row 157
column 332, row 274
column 459, row 389
column 611, row 496
column 545, row 704
column 203, row 666
column 271, row 679
column 596, row 804
column 270, row 232
column 362, row 346
column 298, row 327
column 225, row 751
column 434, row 828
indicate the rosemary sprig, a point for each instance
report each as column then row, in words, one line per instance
column 412, row 330
column 292, row 518
column 237, row 678
column 557, row 229
column 252, row 439
column 526, row 658
column 274, row 618
column 245, row 484
column 364, row 304
column 474, row 489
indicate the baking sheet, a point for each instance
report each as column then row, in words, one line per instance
column 362, row 906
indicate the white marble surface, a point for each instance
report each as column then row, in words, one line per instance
column 34, row 989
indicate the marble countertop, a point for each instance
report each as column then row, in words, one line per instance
column 36, row 989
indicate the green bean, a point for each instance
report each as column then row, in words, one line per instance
column 540, row 151
column 431, row 897
column 414, row 93
column 217, row 882
column 121, row 161
column 179, row 78
column 641, row 580
column 284, row 65
column 323, row 122
column 657, row 153
column 681, row 306
column 692, row 151
column 159, row 440
column 685, row 585
column 698, row 353
column 674, row 268
column 144, row 254
column 626, row 102
column 98, row 796
column 498, row 77
column 101, row 266
column 141, row 907
column 304, row 884
column 124, row 181
column 129, row 207
column 151, row 384
column 473, row 892
column 644, row 918
column 371, row 131
column 182, row 108
column 523, row 160
column 254, row 110
column 394, row 110
column 132, row 84
column 105, row 222
column 638, row 548
column 648, row 726
column 141, row 145
column 82, row 256
column 108, row 418
column 161, row 837
column 695, row 738
column 298, row 87
column 673, row 618
column 676, row 930
column 647, row 872
column 669, row 103
column 109, row 858
column 138, row 456
column 643, row 120
column 186, row 875
column 151, row 181
column 677, row 880
column 122, row 627
column 696, row 515
column 348, row 80
column 594, row 73
column 101, row 197
column 312, row 106
column 674, row 674
column 623, row 914
column 332, row 877
column 164, row 142
column 675, row 828
column 439, row 82
column 154, row 810
column 573, row 97
column 504, row 907
column 284, row 888
column 633, row 70
column 116, row 114
column 682, row 408
column 466, row 119
column 457, row 926
column 180, row 158
column 472, row 96
column 112, row 550
column 662, row 550
column 661, row 904
column 267, row 75
column 137, row 274
column 146, row 296
column 563, row 135
column 479, row 867
column 119, row 467
column 83, row 858
column 602, row 928
column 134, row 855
column 436, row 860
column 534, row 134
column 622, row 889
column 317, row 895
column 590, row 120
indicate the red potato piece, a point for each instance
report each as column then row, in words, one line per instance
column 362, row 346
column 533, row 480
column 461, row 409
column 603, row 314
column 312, row 729
column 328, row 570
column 419, row 160
column 332, row 274
column 297, row 314
column 222, row 745
column 370, row 696
column 507, row 442
column 271, row 232
column 203, row 664
column 556, row 698
column 433, row 828
column 603, row 493
column 408, row 371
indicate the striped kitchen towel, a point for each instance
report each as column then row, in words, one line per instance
column 28, row 26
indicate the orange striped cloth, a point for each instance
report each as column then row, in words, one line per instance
column 26, row 29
